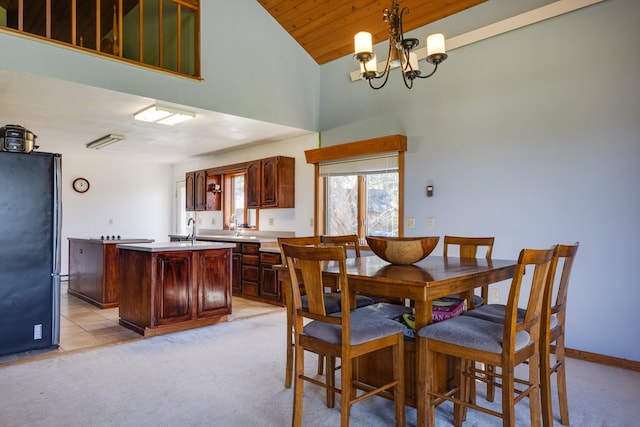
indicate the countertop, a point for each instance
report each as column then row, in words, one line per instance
column 249, row 238
column 110, row 241
column 174, row 246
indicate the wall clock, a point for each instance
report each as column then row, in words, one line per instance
column 81, row 185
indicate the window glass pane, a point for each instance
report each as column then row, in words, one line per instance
column 342, row 205
column 131, row 33
column 61, row 20
column 150, row 35
column 169, row 35
column 238, row 199
column 382, row 204
column 86, row 24
column 188, row 41
column 35, row 17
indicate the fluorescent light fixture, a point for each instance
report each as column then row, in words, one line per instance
column 104, row 141
column 163, row 115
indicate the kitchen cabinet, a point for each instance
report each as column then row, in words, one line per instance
column 213, row 192
column 174, row 288
column 236, row 270
column 270, row 289
column 200, row 190
column 190, row 187
column 195, row 188
column 270, row 183
column 250, row 269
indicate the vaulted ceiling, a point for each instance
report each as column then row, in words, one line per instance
column 325, row 28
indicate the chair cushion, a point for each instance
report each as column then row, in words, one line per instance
column 472, row 332
column 364, row 327
column 332, row 302
column 386, row 310
column 493, row 313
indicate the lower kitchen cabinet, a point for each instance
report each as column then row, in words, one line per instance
column 269, row 286
column 170, row 291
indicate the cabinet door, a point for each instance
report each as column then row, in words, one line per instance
column 269, row 286
column 190, row 186
column 236, row 274
column 253, row 184
column 200, row 190
column 269, row 195
column 173, row 287
column 214, row 275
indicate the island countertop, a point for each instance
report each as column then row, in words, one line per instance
column 174, row 246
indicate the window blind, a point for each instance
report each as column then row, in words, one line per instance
column 361, row 166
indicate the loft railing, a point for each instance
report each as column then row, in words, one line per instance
column 161, row 34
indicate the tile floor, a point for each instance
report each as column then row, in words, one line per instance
column 84, row 326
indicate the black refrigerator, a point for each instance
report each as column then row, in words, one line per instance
column 30, row 222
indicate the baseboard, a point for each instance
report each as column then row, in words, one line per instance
column 603, row 359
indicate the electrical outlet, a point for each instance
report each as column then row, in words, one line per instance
column 110, row 221
column 495, row 295
column 270, row 221
column 431, row 223
column 213, row 221
column 310, row 222
column 37, row 331
column 411, row 223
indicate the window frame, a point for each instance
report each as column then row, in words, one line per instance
column 359, row 150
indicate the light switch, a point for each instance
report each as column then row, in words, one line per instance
column 411, row 223
column 431, row 223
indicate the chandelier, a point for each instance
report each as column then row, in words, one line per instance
column 400, row 51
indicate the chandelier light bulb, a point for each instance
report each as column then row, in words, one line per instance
column 435, row 44
column 363, row 42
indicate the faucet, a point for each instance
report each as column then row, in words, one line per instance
column 234, row 223
column 192, row 223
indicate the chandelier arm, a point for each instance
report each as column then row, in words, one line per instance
column 435, row 68
column 385, row 73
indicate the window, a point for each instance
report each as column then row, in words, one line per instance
column 360, row 187
column 236, row 203
column 361, row 197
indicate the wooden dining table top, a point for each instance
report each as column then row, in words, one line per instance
column 431, row 278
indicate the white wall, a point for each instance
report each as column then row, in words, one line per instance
column 532, row 137
column 291, row 220
column 136, row 196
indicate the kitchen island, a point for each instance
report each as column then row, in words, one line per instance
column 93, row 269
column 172, row 286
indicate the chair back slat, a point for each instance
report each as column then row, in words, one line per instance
column 468, row 246
column 540, row 260
column 349, row 241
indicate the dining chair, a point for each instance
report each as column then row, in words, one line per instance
column 349, row 241
column 470, row 339
column 552, row 331
column 468, row 248
column 332, row 303
column 347, row 336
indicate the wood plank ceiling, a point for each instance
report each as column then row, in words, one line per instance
column 325, row 28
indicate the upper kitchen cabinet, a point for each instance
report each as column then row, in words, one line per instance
column 190, row 188
column 196, row 192
column 271, row 183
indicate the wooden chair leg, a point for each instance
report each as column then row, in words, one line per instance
column 298, row 388
column 545, row 388
column 331, row 380
column 321, row 364
column 398, row 375
column 289, row 362
column 562, row 381
column 346, row 391
column 462, row 389
column 491, row 389
column 534, row 396
column 508, row 399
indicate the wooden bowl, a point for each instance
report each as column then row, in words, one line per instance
column 402, row 250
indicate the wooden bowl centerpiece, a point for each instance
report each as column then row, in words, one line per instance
column 402, row 250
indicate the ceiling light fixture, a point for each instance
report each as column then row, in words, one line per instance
column 104, row 141
column 163, row 115
column 400, row 51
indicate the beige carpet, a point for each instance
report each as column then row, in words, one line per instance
column 232, row 375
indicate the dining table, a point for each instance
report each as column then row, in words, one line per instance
column 418, row 285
